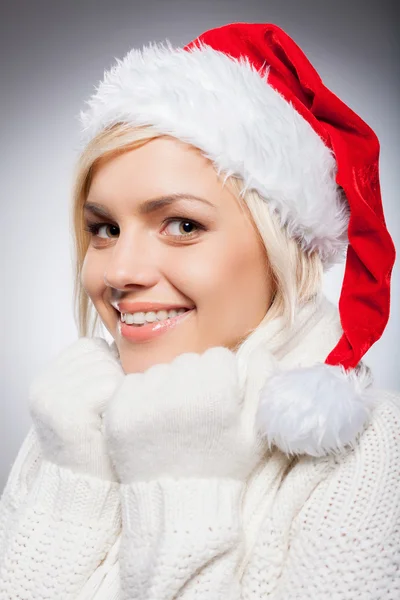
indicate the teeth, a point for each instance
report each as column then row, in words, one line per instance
column 150, row 317
column 140, row 318
column 162, row 315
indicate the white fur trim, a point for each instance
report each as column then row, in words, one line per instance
column 227, row 109
column 316, row 410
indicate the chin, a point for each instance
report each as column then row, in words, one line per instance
column 138, row 360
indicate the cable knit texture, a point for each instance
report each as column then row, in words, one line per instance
column 64, row 531
column 201, row 517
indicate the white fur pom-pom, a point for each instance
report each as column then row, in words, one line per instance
column 316, row 410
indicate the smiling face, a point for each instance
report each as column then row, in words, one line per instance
column 174, row 236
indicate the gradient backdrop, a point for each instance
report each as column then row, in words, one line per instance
column 52, row 53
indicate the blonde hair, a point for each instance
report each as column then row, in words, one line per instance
column 297, row 276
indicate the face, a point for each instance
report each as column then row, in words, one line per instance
column 167, row 235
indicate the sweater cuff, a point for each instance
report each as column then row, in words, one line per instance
column 62, row 493
column 181, row 505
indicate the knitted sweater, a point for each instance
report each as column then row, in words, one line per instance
column 300, row 527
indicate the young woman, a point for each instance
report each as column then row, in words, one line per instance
column 230, row 443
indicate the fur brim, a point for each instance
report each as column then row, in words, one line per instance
column 246, row 128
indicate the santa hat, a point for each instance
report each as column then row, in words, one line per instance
column 247, row 96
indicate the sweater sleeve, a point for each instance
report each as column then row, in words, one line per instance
column 181, row 539
column 19, row 484
column 345, row 541
column 56, row 528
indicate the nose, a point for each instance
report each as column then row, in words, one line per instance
column 131, row 263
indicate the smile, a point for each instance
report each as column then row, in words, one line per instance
column 139, row 319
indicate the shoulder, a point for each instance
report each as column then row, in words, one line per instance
column 386, row 400
column 346, row 535
column 360, row 488
column 364, row 484
column 382, row 433
column 376, row 454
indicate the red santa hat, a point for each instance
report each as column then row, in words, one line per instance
column 248, row 97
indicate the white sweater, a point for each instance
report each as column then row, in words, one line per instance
column 300, row 528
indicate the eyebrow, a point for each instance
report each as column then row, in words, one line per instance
column 147, row 207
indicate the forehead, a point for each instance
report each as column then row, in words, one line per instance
column 161, row 166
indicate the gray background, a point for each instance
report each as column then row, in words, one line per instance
column 52, row 54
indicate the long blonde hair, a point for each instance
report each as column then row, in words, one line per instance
column 297, row 276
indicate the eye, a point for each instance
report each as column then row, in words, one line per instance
column 95, row 228
column 178, row 227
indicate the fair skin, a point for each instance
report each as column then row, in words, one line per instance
column 219, row 269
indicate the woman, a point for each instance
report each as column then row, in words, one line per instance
column 230, row 442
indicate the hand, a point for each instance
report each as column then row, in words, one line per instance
column 183, row 419
column 67, row 401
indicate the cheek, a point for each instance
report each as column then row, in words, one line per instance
column 91, row 278
column 223, row 275
column 241, row 276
